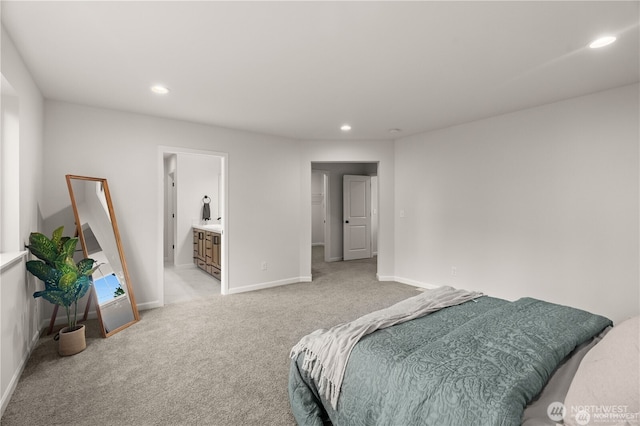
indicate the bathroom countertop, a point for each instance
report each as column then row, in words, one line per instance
column 214, row 227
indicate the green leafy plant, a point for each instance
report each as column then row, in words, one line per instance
column 65, row 281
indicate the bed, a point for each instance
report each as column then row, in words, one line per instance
column 485, row 361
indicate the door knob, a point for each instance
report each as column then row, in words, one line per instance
column 346, row 221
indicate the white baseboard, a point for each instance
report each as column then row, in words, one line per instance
column 270, row 284
column 149, row 305
column 408, row 281
column 385, row 277
column 415, row 283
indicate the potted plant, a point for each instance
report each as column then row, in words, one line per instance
column 65, row 282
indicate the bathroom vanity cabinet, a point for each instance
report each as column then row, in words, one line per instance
column 206, row 251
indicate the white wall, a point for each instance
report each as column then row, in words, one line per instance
column 123, row 148
column 541, row 202
column 19, row 311
column 380, row 152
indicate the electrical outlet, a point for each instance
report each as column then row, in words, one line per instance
column 264, row 265
column 454, row 271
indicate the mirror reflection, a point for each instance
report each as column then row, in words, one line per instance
column 98, row 233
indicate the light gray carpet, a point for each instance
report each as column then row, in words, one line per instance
column 218, row 361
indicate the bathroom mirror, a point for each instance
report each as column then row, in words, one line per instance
column 98, row 232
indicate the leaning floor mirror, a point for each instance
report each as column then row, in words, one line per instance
column 98, row 232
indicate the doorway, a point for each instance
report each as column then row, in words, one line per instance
column 327, row 208
column 179, row 209
column 320, row 218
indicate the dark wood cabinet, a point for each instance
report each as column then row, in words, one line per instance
column 206, row 251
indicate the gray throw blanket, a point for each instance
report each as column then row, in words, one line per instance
column 326, row 352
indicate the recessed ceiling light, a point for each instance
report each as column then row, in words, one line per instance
column 160, row 90
column 345, row 128
column 602, row 41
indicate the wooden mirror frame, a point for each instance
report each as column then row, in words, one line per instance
column 94, row 296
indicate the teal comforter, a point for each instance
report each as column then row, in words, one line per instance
column 478, row 363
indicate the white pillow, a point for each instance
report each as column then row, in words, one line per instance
column 606, row 387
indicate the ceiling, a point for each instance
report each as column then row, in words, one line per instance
column 302, row 69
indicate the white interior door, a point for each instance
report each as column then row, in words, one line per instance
column 357, row 217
